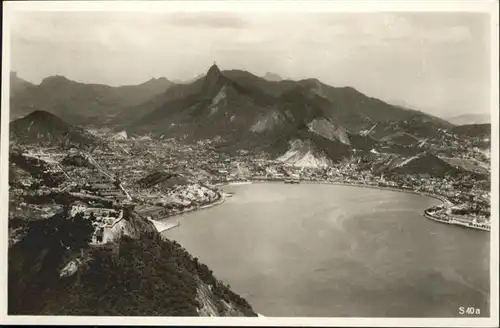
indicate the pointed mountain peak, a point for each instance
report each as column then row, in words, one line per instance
column 214, row 70
column 214, row 80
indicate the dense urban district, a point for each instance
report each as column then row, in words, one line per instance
column 80, row 197
column 163, row 178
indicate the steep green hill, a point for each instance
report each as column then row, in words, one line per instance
column 141, row 276
column 44, row 127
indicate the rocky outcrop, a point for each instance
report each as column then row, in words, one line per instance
column 211, row 305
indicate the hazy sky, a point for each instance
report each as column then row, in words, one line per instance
column 436, row 62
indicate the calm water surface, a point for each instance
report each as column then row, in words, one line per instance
column 325, row 250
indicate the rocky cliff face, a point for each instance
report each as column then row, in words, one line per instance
column 211, row 305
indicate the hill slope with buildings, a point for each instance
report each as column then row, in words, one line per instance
column 138, row 273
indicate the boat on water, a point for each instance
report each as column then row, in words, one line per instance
column 292, row 181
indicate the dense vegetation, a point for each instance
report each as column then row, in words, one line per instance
column 142, row 277
column 470, row 211
column 35, row 261
column 473, row 130
column 76, row 160
column 38, row 169
column 40, row 127
column 162, row 179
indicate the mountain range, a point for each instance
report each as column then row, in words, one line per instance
column 303, row 121
column 79, row 103
column 307, row 117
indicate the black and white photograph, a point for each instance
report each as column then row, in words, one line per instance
column 261, row 161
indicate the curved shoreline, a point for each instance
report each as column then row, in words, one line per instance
column 446, row 202
column 218, row 201
column 443, row 199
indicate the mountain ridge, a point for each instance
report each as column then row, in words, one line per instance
column 82, row 103
column 252, row 113
column 272, row 77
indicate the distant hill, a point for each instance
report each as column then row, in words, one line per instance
column 77, row 160
column 249, row 112
column 417, row 127
column 471, row 165
column 421, row 164
column 44, row 127
column 470, row 119
column 187, row 81
column 401, row 138
column 18, row 85
column 162, row 180
column 473, row 130
column 81, row 103
column 272, row 77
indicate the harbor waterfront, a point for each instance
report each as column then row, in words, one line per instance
column 445, row 207
column 271, row 249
